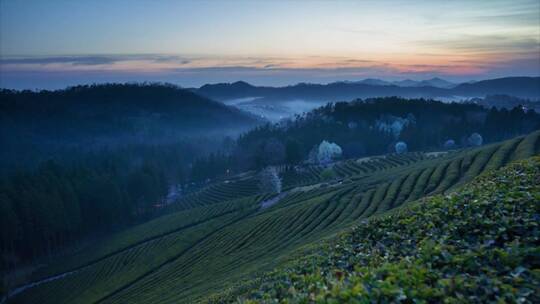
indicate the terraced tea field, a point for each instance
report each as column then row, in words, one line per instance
column 220, row 235
column 477, row 244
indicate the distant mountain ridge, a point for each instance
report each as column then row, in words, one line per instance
column 433, row 82
column 437, row 82
column 523, row 87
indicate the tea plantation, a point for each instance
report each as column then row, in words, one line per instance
column 219, row 238
column 480, row 244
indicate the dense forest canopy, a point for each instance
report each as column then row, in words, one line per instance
column 506, row 101
column 58, row 203
column 44, row 123
column 89, row 159
column 374, row 126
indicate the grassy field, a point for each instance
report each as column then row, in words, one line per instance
column 214, row 238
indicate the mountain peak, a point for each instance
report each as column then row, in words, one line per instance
column 438, row 83
column 374, row 81
column 406, row 83
column 241, row 83
column 436, row 79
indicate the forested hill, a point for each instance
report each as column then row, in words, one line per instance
column 110, row 114
column 91, row 159
column 116, row 107
column 375, row 126
column 524, row 87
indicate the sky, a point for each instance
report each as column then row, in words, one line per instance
column 53, row 44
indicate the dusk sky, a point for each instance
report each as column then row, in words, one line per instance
column 53, row 44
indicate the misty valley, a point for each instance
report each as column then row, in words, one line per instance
column 273, row 152
column 99, row 178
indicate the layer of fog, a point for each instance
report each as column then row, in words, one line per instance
column 276, row 110
column 273, row 110
column 450, row 99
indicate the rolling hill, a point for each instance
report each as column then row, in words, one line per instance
column 109, row 115
column 476, row 245
column 214, row 238
column 373, row 126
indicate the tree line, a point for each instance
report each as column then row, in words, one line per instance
column 35, row 126
column 60, row 203
column 371, row 127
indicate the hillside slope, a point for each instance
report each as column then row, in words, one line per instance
column 214, row 238
column 120, row 107
column 477, row 245
column 33, row 124
column 374, row 126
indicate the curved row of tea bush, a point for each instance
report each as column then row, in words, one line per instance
column 477, row 245
column 155, row 229
column 216, row 193
column 183, row 265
